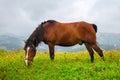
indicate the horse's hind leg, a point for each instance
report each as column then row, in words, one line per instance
column 91, row 52
column 98, row 50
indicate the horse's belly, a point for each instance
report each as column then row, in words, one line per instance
column 69, row 43
column 65, row 44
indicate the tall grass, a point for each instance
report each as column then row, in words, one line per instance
column 66, row 66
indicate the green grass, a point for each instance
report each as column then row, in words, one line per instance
column 66, row 66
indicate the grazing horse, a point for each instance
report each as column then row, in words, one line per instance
column 54, row 33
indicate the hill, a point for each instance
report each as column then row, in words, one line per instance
column 107, row 41
column 10, row 42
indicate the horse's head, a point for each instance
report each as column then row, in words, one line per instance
column 32, row 42
column 30, row 51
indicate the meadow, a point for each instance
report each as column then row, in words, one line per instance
column 66, row 66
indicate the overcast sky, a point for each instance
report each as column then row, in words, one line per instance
column 21, row 17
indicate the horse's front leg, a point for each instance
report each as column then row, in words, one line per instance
column 51, row 50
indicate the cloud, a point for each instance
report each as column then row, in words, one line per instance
column 106, row 15
column 21, row 17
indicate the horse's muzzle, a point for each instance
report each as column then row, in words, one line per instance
column 27, row 62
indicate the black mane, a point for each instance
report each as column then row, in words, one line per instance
column 37, row 36
column 49, row 21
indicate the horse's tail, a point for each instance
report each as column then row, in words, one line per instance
column 95, row 27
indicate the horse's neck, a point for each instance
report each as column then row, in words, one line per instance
column 37, row 35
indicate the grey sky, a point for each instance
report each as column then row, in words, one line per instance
column 21, row 17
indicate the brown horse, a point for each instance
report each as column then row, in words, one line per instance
column 63, row 34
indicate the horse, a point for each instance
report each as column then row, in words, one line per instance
column 53, row 33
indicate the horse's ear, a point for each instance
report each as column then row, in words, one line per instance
column 24, row 41
column 25, row 45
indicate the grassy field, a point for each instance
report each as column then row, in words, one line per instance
column 66, row 66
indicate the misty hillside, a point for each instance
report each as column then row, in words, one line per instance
column 106, row 41
column 10, row 42
column 109, row 41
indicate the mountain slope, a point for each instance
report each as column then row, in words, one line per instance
column 106, row 41
column 10, row 42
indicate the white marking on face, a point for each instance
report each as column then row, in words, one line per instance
column 28, row 48
column 26, row 61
